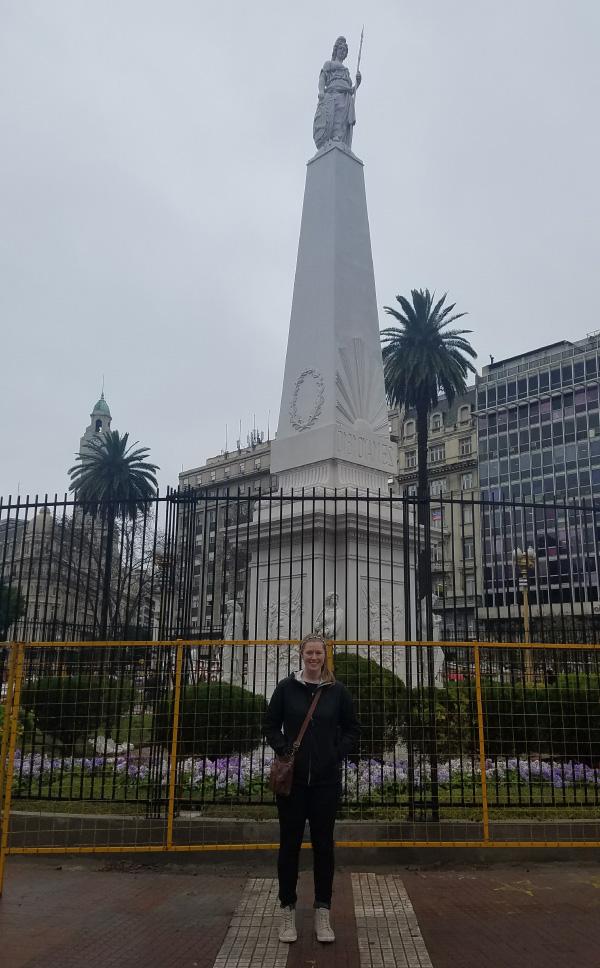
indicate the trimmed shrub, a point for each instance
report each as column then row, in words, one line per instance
column 558, row 721
column 215, row 719
column 71, row 708
column 455, row 721
column 381, row 702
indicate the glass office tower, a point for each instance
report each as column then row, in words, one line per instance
column 539, row 472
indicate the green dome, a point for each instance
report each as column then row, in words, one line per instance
column 101, row 407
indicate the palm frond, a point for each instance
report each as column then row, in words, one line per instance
column 111, row 478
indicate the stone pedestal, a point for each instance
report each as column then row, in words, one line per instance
column 338, row 568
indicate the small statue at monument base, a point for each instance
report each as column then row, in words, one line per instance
column 330, row 620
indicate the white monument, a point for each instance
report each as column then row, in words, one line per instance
column 312, row 567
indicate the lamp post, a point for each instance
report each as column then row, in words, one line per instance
column 525, row 561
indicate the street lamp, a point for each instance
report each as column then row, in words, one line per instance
column 525, row 561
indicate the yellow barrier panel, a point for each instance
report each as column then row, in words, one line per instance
column 10, row 730
column 283, row 643
column 173, row 763
column 484, row 800
column 12, row 655
column 12, row 742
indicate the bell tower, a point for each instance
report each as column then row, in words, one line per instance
column 100, row 421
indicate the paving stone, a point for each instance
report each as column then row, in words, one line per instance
column 387, row 928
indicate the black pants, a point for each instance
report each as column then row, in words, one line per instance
column 318, row 805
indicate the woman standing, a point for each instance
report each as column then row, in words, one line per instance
column 330, row 736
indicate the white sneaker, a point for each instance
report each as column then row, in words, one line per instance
column 287, row 931
column 322, row 926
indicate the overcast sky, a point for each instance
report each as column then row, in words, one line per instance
column 151, row 180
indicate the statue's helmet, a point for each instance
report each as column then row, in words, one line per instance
column 340, row 42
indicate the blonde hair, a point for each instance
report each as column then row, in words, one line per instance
column 326, row 673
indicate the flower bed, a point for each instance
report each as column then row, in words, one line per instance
column 128, row 776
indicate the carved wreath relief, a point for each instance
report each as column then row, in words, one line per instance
column 307, row 399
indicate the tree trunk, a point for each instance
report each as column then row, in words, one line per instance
column 423, row 518
column 425, row 592
column 106, row 584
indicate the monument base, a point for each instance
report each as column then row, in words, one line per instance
column 337, row 563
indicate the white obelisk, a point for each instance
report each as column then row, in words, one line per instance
column 333, row 431
column 333, row 423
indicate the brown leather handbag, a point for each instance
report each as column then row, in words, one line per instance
column 282, row 767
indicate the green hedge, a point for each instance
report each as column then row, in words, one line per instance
column 380, row 698
column 72, row 708
column 551, row 721
column 455, row 721
column 215, row 719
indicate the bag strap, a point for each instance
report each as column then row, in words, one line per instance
column 307, row 719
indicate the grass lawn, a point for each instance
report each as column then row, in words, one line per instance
column 76, row 793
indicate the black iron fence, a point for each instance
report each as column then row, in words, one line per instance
column 222, row 564
column 178, row 726
column 201, row 567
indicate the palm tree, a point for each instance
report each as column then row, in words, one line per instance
column 420, row 358
column 112, row 481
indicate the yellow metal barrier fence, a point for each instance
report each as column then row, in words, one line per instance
column 161, row 838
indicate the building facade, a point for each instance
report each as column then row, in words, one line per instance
column 539, row 444
column 53, row 557
column 454, row 490
column 226, row 489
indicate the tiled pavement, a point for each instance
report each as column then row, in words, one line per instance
column 386, row 924
column 83, row 916
column 80, row 913
column 530, row 916
column 251, row 940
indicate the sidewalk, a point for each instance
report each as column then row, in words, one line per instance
column 87, row 913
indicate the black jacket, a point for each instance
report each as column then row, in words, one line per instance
column 331, row 734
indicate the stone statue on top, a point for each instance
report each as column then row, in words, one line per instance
column 335, row 116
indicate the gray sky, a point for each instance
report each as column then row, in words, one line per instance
column 151, row 180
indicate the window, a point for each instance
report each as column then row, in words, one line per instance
column 411, row 458
column 438, row 487
column 437, row 453
column 199, row 479
column 409, row 428
column 466, row 482
column 464, row 414
column 242, row 468
column 467, row 514
column 436, row 421
column 440, row 589
column 213, row 475
column 227, row 471
column 257, row 463
column 470, row 587
column 464, row 446
column 468, row 549
column 412, row 490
